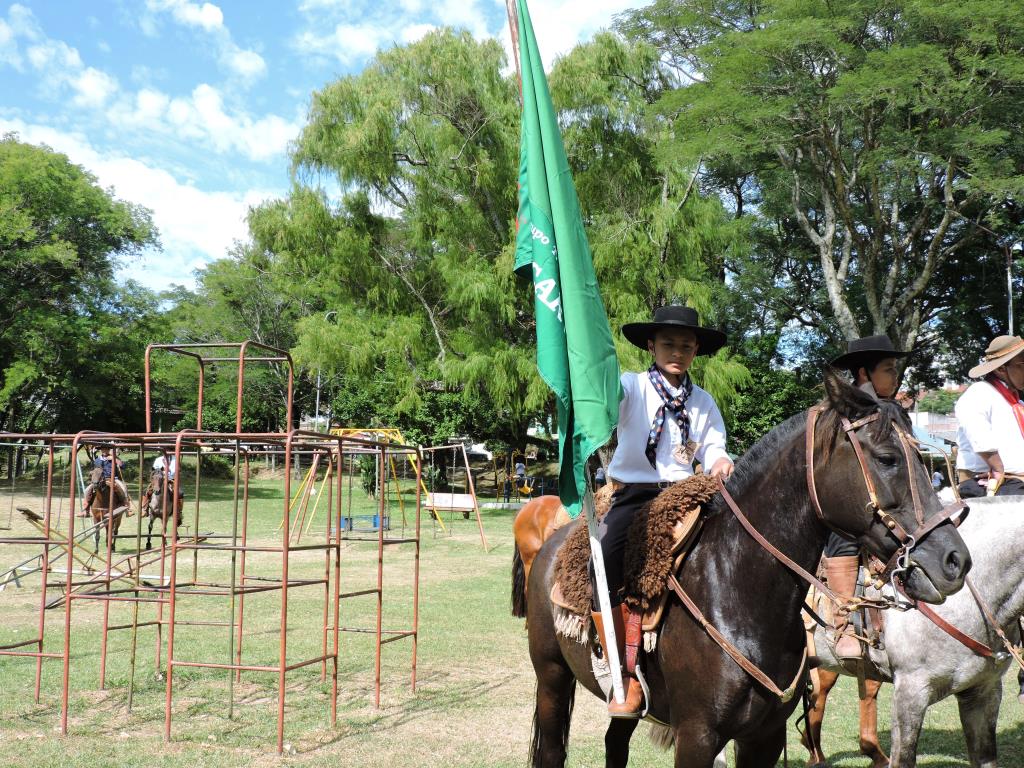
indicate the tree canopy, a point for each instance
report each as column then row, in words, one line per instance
column 880, row 141
column 71, row 337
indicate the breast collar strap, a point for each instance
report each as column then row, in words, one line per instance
column 907, row 541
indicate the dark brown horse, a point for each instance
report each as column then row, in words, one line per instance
column 747, row 594
column 157, row 504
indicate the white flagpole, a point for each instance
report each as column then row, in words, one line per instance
column 603, row 598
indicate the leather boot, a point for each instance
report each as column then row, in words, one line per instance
column 632, row 706
column 842, row 579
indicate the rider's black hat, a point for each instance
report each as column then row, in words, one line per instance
column 863, row 351
column 678, row 317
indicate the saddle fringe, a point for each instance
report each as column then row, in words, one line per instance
column 650, row 640
column 569, row 625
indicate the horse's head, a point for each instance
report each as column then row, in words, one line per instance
column 873, row 486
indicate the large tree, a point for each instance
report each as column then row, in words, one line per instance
column 885, row 136
column 71, row 338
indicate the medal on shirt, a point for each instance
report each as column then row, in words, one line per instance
column 683, row 454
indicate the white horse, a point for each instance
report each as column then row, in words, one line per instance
column 926, row 665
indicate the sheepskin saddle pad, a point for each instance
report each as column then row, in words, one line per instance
column 656, row 544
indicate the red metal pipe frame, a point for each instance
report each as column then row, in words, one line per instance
column 294, row 442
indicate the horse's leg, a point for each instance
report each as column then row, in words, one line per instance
column 149, row 531
column 979, row 709
column 822, row 681
column 556, row 693
column 696, row 745
column 763, row 750
column 616, row 742
column 910, row 699
column 869, row 725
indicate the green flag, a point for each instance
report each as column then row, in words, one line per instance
column 575, row 352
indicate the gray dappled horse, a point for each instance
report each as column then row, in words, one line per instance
column 926, row 665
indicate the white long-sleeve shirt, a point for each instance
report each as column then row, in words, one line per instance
column 966, row 458
column 640, row 402
column 989, row 425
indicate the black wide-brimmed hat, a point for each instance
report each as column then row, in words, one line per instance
column 678, row 318
column 862, row 351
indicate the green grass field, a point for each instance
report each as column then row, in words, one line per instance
column 473, row 703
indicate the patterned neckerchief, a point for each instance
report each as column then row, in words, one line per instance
column 676, row 405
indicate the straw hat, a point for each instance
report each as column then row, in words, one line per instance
column 1000, row 351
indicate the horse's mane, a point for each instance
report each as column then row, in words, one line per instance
column 750, row 467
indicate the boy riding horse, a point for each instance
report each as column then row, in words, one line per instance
column 666, row 422
column 871, row 361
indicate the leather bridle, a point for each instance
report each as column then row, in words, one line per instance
column 899, row 561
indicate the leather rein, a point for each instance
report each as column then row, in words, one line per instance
column 897, row 563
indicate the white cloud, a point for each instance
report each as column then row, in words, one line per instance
column 23, row 22
column 357, row 29
column 562, row 24
column 9, row 53
column 93, row 87
column 196, row 226
column 208, row 17
column 248, row 64
column 415, row 32
column 54, row 53
column 202, row 117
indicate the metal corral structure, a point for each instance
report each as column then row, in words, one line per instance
column 168, row 578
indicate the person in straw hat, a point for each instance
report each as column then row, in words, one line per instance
column 991, row 414
column 991, row 417
column 872, row 363
column 666, row 422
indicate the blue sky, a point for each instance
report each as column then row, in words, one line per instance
column 188, row 107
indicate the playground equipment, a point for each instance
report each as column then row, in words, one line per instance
column 191, row 575
column 452, row 502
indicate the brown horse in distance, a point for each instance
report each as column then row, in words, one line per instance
column 108, row 503
column 157, row 504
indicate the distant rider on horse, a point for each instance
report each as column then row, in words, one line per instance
column 104, row 468
column 666, row 423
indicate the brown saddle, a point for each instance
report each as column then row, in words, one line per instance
column 658, row 541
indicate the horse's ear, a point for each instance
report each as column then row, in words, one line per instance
column 851, row 402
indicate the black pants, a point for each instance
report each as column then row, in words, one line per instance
column 612, row 532
column 838, row 546
column 972, row 489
